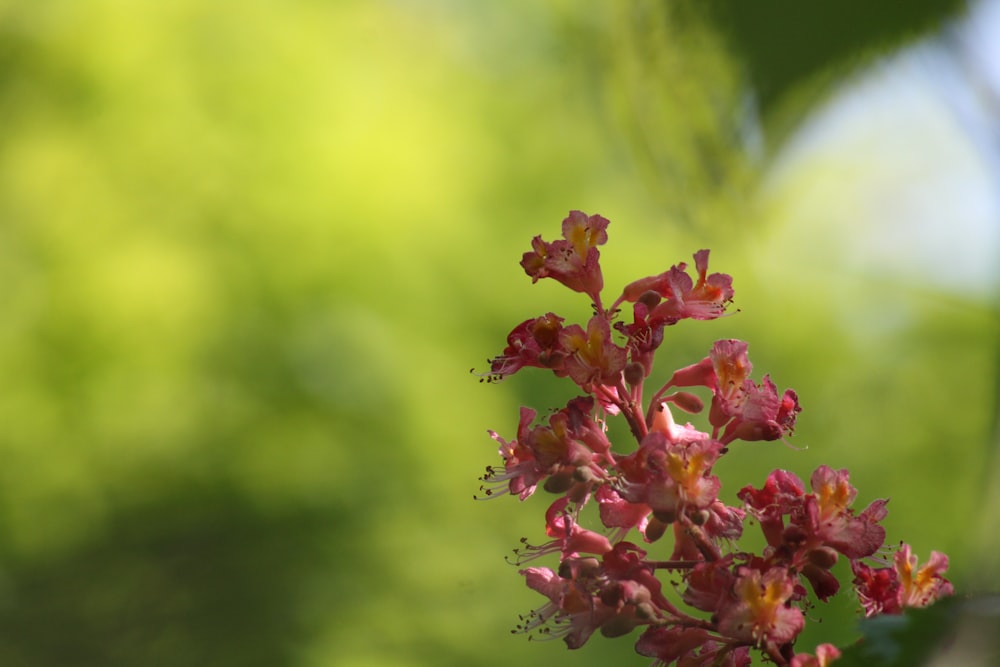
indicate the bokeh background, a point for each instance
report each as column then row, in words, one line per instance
column 249, row 251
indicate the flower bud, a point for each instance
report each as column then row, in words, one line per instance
column 655, row 529
column 575, row 568
column 699, row 517
column 559, row 483
column 793, row 535
column 645, row 610
column 634, row 373
column 649, row 298
column 617, row 625
column 686, row 401
column 666, row 516
column 823, row 557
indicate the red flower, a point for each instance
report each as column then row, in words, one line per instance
column 671, row 475
column 690, row 647
column 567, row 452
column 682, row 297
column 570, row 539
column 574, row 260
column 920, row 586
column 534, row 342
column 746, row 410
column 592, row 357
column 615, row 595
column 831, row 520
column 820, row 524
column 889, row 590
column 825, row 656
column 759, row 613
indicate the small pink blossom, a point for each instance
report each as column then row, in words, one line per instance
column 759, row 613
column 832, row 521
column 919, row 586
column 744, row 409
column 534, row 342
column 574, row 260
column 690, row 647
column 825, row 656
column 566, row 452
column 570, row 539
column 889, row 590
column 614, row 594
column 592, row 357
column 671, row 476
column 682, row 297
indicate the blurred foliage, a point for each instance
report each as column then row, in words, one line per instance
column 955, row 631
column 249, row 251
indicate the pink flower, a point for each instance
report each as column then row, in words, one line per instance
column 592, row 358
column 877, row 588
column 821, row 518
column 748, row 411
column 616, row 512
column 682, row 297
column 671, row 476
column 889, row 590
column 534, row 342
column 567, row 452
column 522, row 471
column 920, row 586
column 759, row 614
column 826, row 654
column 644, row 335
column 710, row 584
column 781, row 495
column 574, row 260
column 570, row 539
column 820, row 524
column 831, row 520
column 690, row 647
column 615, row 595
column 572, row 613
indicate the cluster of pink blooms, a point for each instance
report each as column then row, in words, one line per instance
column 724, row 602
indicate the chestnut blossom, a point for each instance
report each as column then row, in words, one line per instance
column 889, row 590
column 826, row 654
column 741, row 409
column 566, row 452
column 573, row 260
column 534, row 342
column 682, row 297
column 592, row 357
column 758, row 612
column 730, row 601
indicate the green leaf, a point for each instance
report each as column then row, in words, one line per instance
column 955, row 631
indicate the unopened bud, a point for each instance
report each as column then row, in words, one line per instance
column 699, row 517
column 559, row 483
column 666, row 516
column 634, row 373
column 655, row 529
column 793, row 535
column 645, row 610
column 649, row 298
column 575, row 568
column 617, row 625
column 687, row 402
column 823, row 557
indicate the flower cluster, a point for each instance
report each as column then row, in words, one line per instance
column 725, row 602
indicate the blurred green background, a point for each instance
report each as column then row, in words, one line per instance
column 250, row 250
